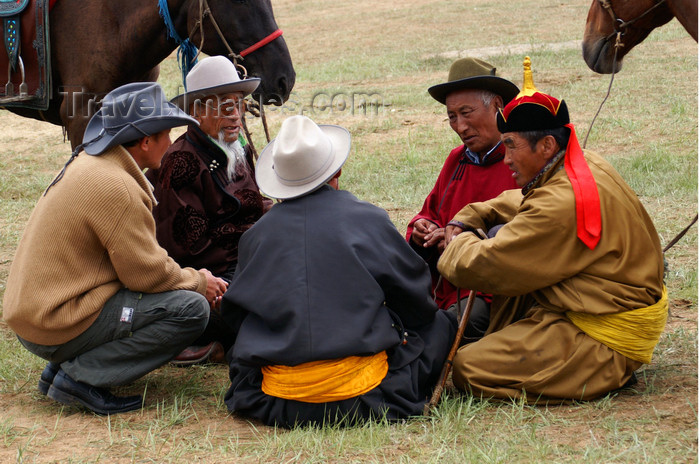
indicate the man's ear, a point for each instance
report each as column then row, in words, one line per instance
column 196, row 110
column 144, row 143
column 498, row 101
column 550, row 147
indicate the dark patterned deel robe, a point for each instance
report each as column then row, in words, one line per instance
column 201, row 213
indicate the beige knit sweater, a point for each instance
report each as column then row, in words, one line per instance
column 91, row 235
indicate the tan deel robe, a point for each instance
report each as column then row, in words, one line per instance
column 541, row 269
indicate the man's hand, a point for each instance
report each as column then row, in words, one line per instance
column 437, row 238
column 451, row 231
column 421, row 228
column 215, row 289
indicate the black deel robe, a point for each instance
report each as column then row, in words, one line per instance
column 327, row 276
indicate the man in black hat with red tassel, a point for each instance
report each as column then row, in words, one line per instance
column 576, row 262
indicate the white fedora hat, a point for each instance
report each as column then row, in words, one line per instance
column 215, row 75
column 304, row 156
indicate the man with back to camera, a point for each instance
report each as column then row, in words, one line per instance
column 337, row 324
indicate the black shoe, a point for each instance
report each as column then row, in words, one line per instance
column 99, row 400
column 631, row 382
column 47, row 376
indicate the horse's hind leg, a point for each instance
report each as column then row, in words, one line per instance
column 75, row 113
column 151, row 75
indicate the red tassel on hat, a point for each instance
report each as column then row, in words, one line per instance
column 588, row 219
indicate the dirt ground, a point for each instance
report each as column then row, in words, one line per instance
column 51, row 433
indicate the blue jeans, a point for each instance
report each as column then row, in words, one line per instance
column 134, row 334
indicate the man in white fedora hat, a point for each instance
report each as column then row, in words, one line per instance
column 90, row 290
column 206, row 190
column 332, row 308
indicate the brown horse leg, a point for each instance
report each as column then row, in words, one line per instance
column 686, row 11
column 152, row 75
column 73, row 111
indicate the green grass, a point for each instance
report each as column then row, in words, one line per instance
column 659, row 172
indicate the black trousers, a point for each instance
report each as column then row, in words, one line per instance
column 479, row 318
column 414, row 368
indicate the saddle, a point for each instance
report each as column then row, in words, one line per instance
column 27, row 61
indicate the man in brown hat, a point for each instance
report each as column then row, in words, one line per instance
column 472, row 172
column 206, row 190
column 577, row 261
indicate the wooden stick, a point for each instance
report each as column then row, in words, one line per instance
column 447, row 367
column 250, row 138
column 680, row 234
column 264, row 120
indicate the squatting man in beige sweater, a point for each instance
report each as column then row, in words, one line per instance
column 90, row 290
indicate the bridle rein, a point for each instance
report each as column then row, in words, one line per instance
column 620, row 25
column 619, row 28
column 205, row 12
column 255, row 108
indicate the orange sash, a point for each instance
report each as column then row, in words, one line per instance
column 326, row 381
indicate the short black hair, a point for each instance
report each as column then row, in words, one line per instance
column 560, row 134
column 132, row 143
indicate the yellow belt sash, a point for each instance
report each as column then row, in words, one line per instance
column 326, row 381
column 632, row 333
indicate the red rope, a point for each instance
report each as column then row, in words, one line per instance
column 261, row 43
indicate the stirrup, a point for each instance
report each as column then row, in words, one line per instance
column 10, row 87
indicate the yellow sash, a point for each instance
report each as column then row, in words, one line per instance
column 325, row 381
column 632, row 333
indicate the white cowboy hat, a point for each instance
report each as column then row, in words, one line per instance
column 215, row 75
column 304, row 156
column 130, row 112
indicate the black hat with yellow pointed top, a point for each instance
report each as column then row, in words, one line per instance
column 531, row 109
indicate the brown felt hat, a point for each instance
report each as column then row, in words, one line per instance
column 473, row 73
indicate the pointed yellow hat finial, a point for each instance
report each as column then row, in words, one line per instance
column 529, row 88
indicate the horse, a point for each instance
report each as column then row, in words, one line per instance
column 99, row 45
column 622, row 24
